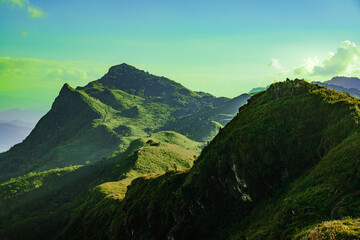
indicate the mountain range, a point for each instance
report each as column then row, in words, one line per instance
column 107, row 131
column 350, row 85
column 137, row 156
column 93, row 122
column 15, row 126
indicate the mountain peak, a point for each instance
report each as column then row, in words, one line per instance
column 65, row 89
column 135, row 81
column 122, row 67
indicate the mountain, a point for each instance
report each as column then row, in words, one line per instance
column 28, row 117
column 287, row 162
column 15, row 126
column 346, row 82
column 41, row 203
column 11, row 133
column 286, row 167
column 343, row 85
column 93, row 122
column 118, row 160
column 257, row 89
column 95, row 140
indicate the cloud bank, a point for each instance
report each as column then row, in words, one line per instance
column 344, row 61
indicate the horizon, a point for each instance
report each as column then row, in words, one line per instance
column 225, row 49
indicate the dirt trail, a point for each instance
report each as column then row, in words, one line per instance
column 338, row 204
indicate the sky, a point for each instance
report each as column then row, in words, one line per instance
column 223, row 47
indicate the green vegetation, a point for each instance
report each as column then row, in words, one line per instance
column 347, row 229
column 101, row 119
column 17, row 186
column 63, row 192
column 286, row 167
column 287, row 161
column 117, row 128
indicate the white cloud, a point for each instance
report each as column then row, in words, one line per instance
column 344, row 61
column 307, row 66
column 345, row 57
column 274, row 63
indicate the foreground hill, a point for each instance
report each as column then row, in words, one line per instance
column 286, row 162
column 101, row 119
column 44, row 202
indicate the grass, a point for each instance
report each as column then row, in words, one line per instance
column 285, row 167
column 156, row 154
column 18, row 186
column 280, row 166
column 107, row 114
column 346, row 229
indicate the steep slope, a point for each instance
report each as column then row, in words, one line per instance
column 65, row 135
column 208, row 120
column 178, row 107
column 281, row 165
column 104, row 117
column 42, row 203
column 105, row 134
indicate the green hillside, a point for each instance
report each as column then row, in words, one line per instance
column 99, row 138
column 286, row 162
column 101, row 119
column 32, row 201
column 286, row 167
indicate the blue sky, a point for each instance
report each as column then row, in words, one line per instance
column 222, row 47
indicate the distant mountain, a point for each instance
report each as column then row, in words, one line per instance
column 343, row 85
column 257, row 89
column 346, row 82
column 15, row 126
column 12, row 133
column 26, row 116
column 89, row 123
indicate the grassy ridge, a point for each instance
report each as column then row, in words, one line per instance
column 347, row 229
column 280, row 166
column 108, row 180
column 101, row 119
column 17, row 186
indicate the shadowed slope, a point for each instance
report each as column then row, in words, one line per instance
column 291, row 148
